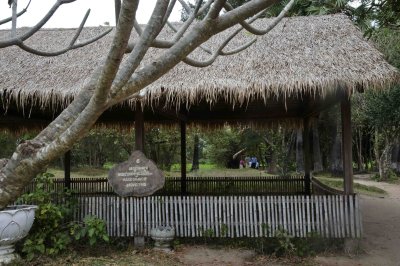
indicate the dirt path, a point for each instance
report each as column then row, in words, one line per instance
column 381, row 221
column 203, row 255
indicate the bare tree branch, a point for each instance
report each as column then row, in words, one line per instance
column 152, row 29
column 243, row 12
column 117, row 7
column 137, row 27
column 205, row 49
column 66, row 49
column 14, row 19
column 215, row 9
column 199, row 33
column 195, row 63
column 164, row 44
column 166, row 15
column 193, row 15
column 205, row 7
column 19, row 40
column 239, row 48
column 72, row 45
column 186, row 6
column 156, row 44
column 117, row 51
column 23, row 11
column 169, row 11
column 219, row 51
column 188, row 22
column 276, row 20
column 202, row 9
column 38, row 26
column 246, row 25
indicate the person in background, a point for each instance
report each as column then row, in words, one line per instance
column 253, row 162
column 242, row 164
column 248, row 161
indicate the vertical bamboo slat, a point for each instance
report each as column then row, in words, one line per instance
column 232, row 218
column 309, row 215
column 351, row 201
column 318, row 215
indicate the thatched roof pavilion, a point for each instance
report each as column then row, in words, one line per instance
column 302, row 65
column 287, row 77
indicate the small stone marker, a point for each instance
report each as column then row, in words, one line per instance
column 138, row 176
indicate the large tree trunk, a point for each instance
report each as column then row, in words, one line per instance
column 196, row 153
column 316, row 149
column 383, row 157
column 32, row 157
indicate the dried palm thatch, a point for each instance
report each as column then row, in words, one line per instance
column 315, row 56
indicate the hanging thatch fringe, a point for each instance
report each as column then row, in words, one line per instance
column 315, row 56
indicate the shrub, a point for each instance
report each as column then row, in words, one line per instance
column 390, row 176
column 92, row 231
column 53, row 229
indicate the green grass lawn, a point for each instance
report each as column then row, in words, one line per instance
column 215, row 170
column 80, row 172
column 205, row 170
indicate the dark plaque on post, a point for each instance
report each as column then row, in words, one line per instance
column 138, row 176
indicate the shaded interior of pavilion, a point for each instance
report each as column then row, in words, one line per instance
column 295, row 112
column 298, row 112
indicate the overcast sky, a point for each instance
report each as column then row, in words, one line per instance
column 70, row 15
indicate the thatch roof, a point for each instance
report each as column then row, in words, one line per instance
column 315, row 55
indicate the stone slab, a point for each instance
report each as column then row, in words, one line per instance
column 138, row 176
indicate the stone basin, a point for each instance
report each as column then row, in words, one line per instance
column 15, row 223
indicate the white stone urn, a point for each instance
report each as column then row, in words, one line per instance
column 15, row 223
column 163, row 235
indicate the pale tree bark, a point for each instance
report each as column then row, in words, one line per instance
column 382, row 151
column 114, row 82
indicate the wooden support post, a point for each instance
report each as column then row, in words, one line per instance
column 307, row 156
column 183, row 158
column 139, row 145
column 67, row 170
column 139, row 128
column 347, row 146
